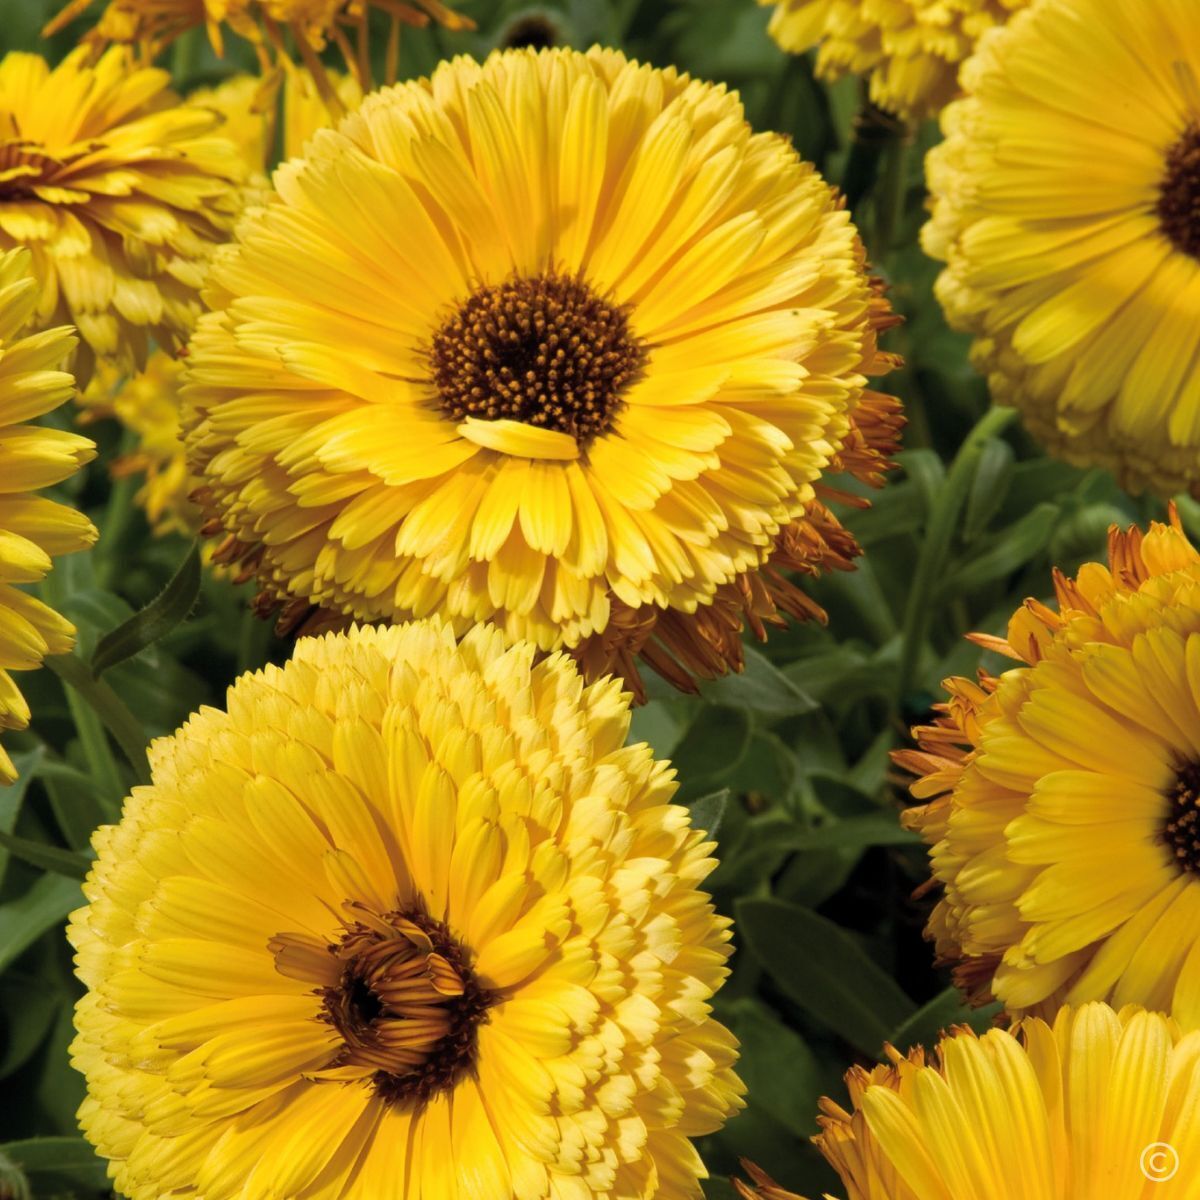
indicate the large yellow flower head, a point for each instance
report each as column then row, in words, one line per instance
column 407, row 919
column 909, row 49
column 1101, row 1105
column 1064, row 795
column 1067, row 207
column 555, row 343
column 121, row 195
column 32, row 529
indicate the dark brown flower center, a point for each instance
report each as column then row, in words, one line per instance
column 1181, row 831
column 407, row 1005
column 1179, row 195
column 545, row 351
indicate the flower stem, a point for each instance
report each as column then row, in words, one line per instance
column 931, row 558
column 95, row 707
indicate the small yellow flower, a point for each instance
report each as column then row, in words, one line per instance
column 152, row 25
column 148, row 405
column 588, row 395
column 1063, row 813
column 408, row 919
column 1066, row 205
column 120, row 193
column 1100, row 1105
column 910, row 50
column 33, row 530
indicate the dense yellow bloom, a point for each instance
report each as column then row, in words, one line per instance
column 148, row 405
column 1101, row 1105
column 1064, row 795
column 1067, row 207
column 585, row 394
column 121, row 195
column 909, row 49
column 151, row 25
column 33, row 530
column 408, row 919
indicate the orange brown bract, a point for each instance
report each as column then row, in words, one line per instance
column 597, row 391
column 1062, row 797
column 409, row 918
column 1071, row 1109
column 120, row 194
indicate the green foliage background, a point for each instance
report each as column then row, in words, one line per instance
column 791, row 758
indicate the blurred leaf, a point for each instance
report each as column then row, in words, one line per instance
column 658, row 724
column 168, row 609
column 1004, row 553
column 58, row 1162
column 762, row 686
column 790, row 1095
column 25, row 1024
column 713, row 745
column 77, row 808
column 49, row 858
column 709, row 811
column 823, row 969
column 12, row 797
column 939, row 1014
column 25, row 919
column 993, row 474
column 718, row 1187
column 851, row 834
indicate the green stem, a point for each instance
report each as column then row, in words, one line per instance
column 888, row 200
column 95, row 707
column 183, row 56
column 931, row 559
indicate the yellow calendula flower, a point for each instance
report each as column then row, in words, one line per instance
column 1099, row 1105
column 1067, row 208
column 408, row 919
column 147, row 404
column 121, row 195
column 910, row 50
column 311, row 25
column 1063, row 813
column 33, row 529
column 586, row 395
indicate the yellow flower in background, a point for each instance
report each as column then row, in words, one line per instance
column 1067, row 208
column 409, row 918
column 311, row 25
column 555, row 343
column 33, row 529
column 148, row 405
column 248, row 107
column 1063, row 813
column 1100, row 1105
column 909, row 50
column 121, row 195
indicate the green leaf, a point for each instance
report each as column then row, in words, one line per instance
column 993, row 476
column 77, row 808
column 57, row 1163
column 930, row 1020
column 709, row 811
column 25, row 919
column 167, row 610
column 789, row 1095
column 825, row 971
column 50, row 858
column 1009, row 550
column 853, row 833
column 25, row 1025
column 714, row 744
column 12, row 797
column 658, row 724
column 761, row 687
